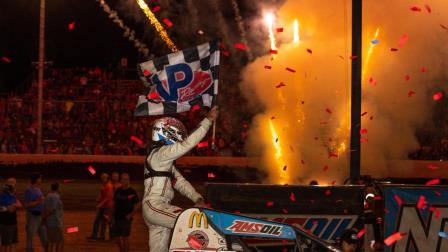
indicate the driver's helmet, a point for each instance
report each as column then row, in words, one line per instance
column 168, row 130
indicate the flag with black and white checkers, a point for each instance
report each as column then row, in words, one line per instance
column 179, row 81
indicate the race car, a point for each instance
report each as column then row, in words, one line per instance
column 205, row 230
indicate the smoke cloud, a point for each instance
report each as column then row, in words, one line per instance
column 311, row 112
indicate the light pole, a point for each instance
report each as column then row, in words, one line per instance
column 40, row 82
column 355, row 141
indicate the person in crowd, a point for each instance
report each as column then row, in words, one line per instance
column 126, row 204
column 350, row 241
column 8, row 216
column 53, row 217
column 34, row 206
column 115, row 179
column 104, row 206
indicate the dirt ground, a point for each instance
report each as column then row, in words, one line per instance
column 79, row 211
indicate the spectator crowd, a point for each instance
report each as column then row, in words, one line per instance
column 116, row 205
column 90, row 111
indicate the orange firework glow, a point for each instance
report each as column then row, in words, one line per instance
column 296, row 31
column 369, row 53
column 159, row 28
column 281, row 166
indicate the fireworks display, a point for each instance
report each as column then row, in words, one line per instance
column 128, row 32
column 156, row 24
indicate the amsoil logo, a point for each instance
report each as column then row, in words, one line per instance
column 246, row 227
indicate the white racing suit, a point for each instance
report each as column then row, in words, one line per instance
column 158, row 213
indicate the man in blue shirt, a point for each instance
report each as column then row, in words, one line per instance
column 8, row 216
column 54, row 219
column 34, row 207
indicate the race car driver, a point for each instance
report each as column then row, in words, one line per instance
column 169, row 142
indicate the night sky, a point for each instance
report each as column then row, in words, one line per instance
column 95, row 40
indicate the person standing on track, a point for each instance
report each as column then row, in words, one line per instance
column 161, row 176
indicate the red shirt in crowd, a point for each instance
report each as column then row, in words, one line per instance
column 106, row 195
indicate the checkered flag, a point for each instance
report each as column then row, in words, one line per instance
column 178, row 81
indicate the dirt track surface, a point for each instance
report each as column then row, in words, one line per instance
column 79, row 211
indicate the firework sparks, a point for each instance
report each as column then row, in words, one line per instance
column 159, row 28
column 369, row 52
column 278, row 154
column 269, row 19
column 296, row 31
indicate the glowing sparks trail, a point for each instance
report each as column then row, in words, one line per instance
column 278, row 153
column 269, row 19
column 296, row 31
column 152, row 18
column 369, row 53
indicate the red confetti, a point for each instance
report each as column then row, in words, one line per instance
column 437, row 96
column 415, row 8
column 363, row 131
column 309, row 51
column 301, row 161
column 91, row 170
column 325, row 168
column 422, row 203
column 444, row 27
column 211, row 175
column 272, row 117
column 432, row 167
column 72, row 230
column 407, row 77
column 423, row 70
column 363, row 114
column 203, row 144
column 71, row 26
column 136, row 140
column 270, row 203
column 393, row 238
column 428, row 8
column 411, row 93
column 403, row 40
column 328, row 192
column 279, row 29
column 372, row 81
column 280, row 85
column 364, row 140
column 292, row 197
column 437, row 193
column 240, row 46
column 433, row 182
column 195, row 108
column 328, row 110
column 273, row 51
column 156, row 8
column 398, row 200
column 393, row 49
column 167, row 22
column 6, row 60
column 131, row 196
column 361, row 233
column 153, row 96
column 285, row 211
column 267, row 67
column 146, row 72
column 290, row 69
column 353, row 57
